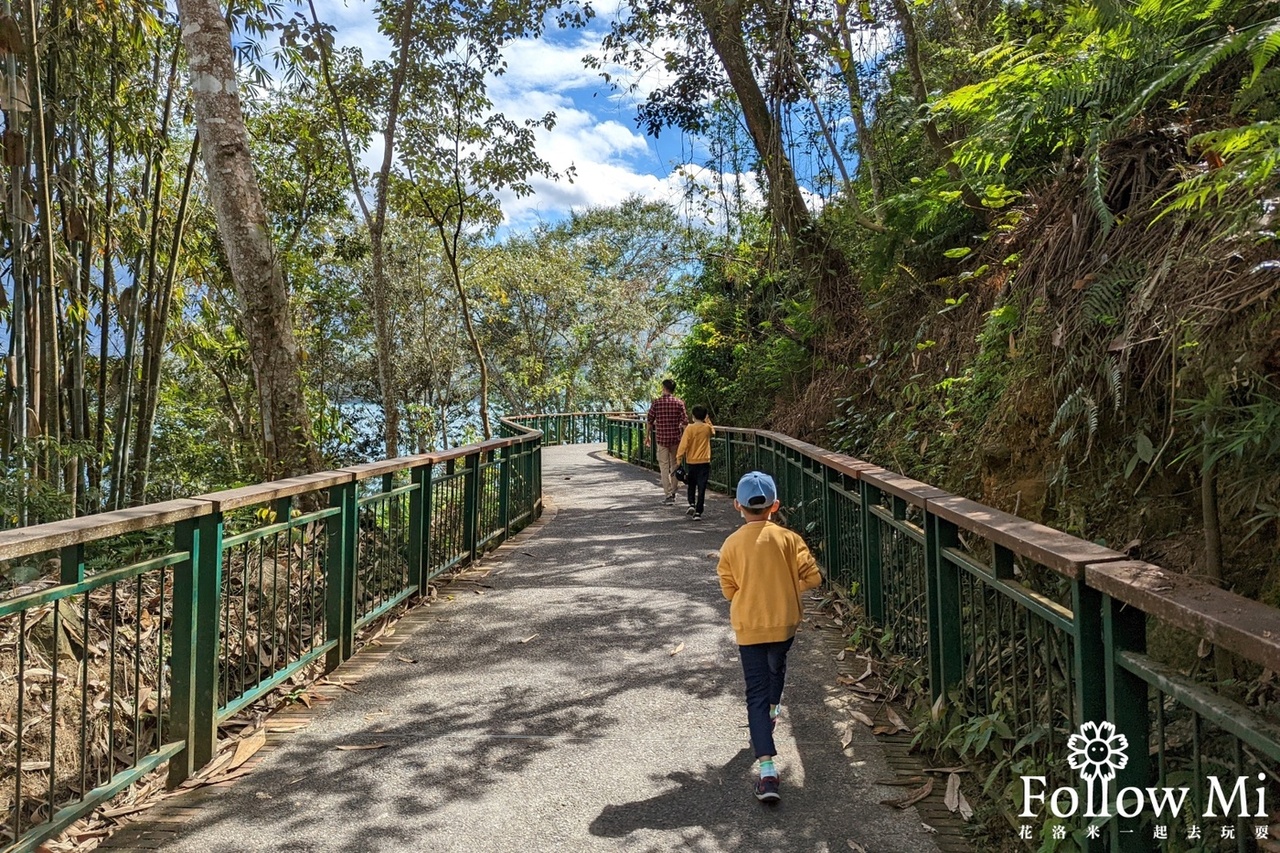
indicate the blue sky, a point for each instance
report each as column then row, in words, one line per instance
column 595, row 129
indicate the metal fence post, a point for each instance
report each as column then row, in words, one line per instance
column 729, row 481
column 183, row 644
column 872, row 556
column 942, row 582
column 504, row 492
column 72, row 570
column 197, row 589
column 471, row 505
column 1087, row 616
column 1124, row 629
column 831, row 525
column 1086, row 607
column 535, row 478
column 341, row 531
column 419, row 525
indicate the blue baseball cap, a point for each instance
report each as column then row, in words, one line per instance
column 756, row 490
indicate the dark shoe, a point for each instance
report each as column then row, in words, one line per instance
column 697, row 516
column 670, row 500
column 691, row 512
column 767, row 789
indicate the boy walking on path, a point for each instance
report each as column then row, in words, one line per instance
column 763, row 569
column 695, row 452
column 667, row 420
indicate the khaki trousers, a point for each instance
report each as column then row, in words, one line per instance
column 666, row 468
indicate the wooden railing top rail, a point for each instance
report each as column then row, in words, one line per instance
column 55, row 535
column 1249, row 628
column 229, row 499
column 25, row 541
column 1243, row 626
column 1066, row 554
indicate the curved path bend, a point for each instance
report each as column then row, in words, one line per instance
column 590, row 736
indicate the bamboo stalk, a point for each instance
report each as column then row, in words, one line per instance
column 155, row 346
column 19, row 343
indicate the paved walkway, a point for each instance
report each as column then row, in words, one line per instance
column 590, row 736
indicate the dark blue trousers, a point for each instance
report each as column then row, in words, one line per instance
column 699, row 476
column 764, row 668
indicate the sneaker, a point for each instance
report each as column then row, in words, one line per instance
column 669, row 500
column 692, row 511
column 767, row 789
column 697, row 516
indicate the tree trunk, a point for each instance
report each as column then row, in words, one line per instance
column 867, row 154
column 96, row 476
column 153, row 349
column 377, row 232
column 153, row 320
column 376, row 220
column 21, row 370
column 246, row 238
column 51, row 409
column 474, row 338
column 816, row 259
column 921, row 91
column 723, row 21
column 851, row 192
column 152, row 170
column 1223, row 660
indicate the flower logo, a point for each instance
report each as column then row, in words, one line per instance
column 1098, row 751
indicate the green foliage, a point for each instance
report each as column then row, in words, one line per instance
column 1239, row 432
column 749, row 338
column 583, row 313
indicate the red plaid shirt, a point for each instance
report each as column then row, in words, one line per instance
column 667, row 420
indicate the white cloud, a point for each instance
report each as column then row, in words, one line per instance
column 592, row 134
column 594, row 130
column 355, row 25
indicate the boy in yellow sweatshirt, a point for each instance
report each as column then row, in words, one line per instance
column 763, row 569
column 695, row 452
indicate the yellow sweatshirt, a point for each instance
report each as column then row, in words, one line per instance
column 695, row 444
column 763, row 569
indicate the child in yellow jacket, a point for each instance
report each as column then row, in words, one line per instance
column 695, row 452
column 763, row 569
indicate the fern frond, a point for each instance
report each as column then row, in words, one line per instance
column 1070, row 408
column 1189, row 69
column 1096, row 181
column 1264, row 47
column 1216, row 54
column 1105, row 300
column 1261, row 90
column 1113, row 384
column 1091, row 418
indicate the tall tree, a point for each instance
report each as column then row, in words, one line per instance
column 456, row 182
column 741, row 42
column 246, row 239
column 401, row 24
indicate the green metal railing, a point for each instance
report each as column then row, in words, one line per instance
column 224, row 598
column 568, row 427
column 1011, row 620
column 231, row 596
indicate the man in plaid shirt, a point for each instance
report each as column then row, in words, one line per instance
column 667, row 420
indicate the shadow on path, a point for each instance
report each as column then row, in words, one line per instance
column 592, row 735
